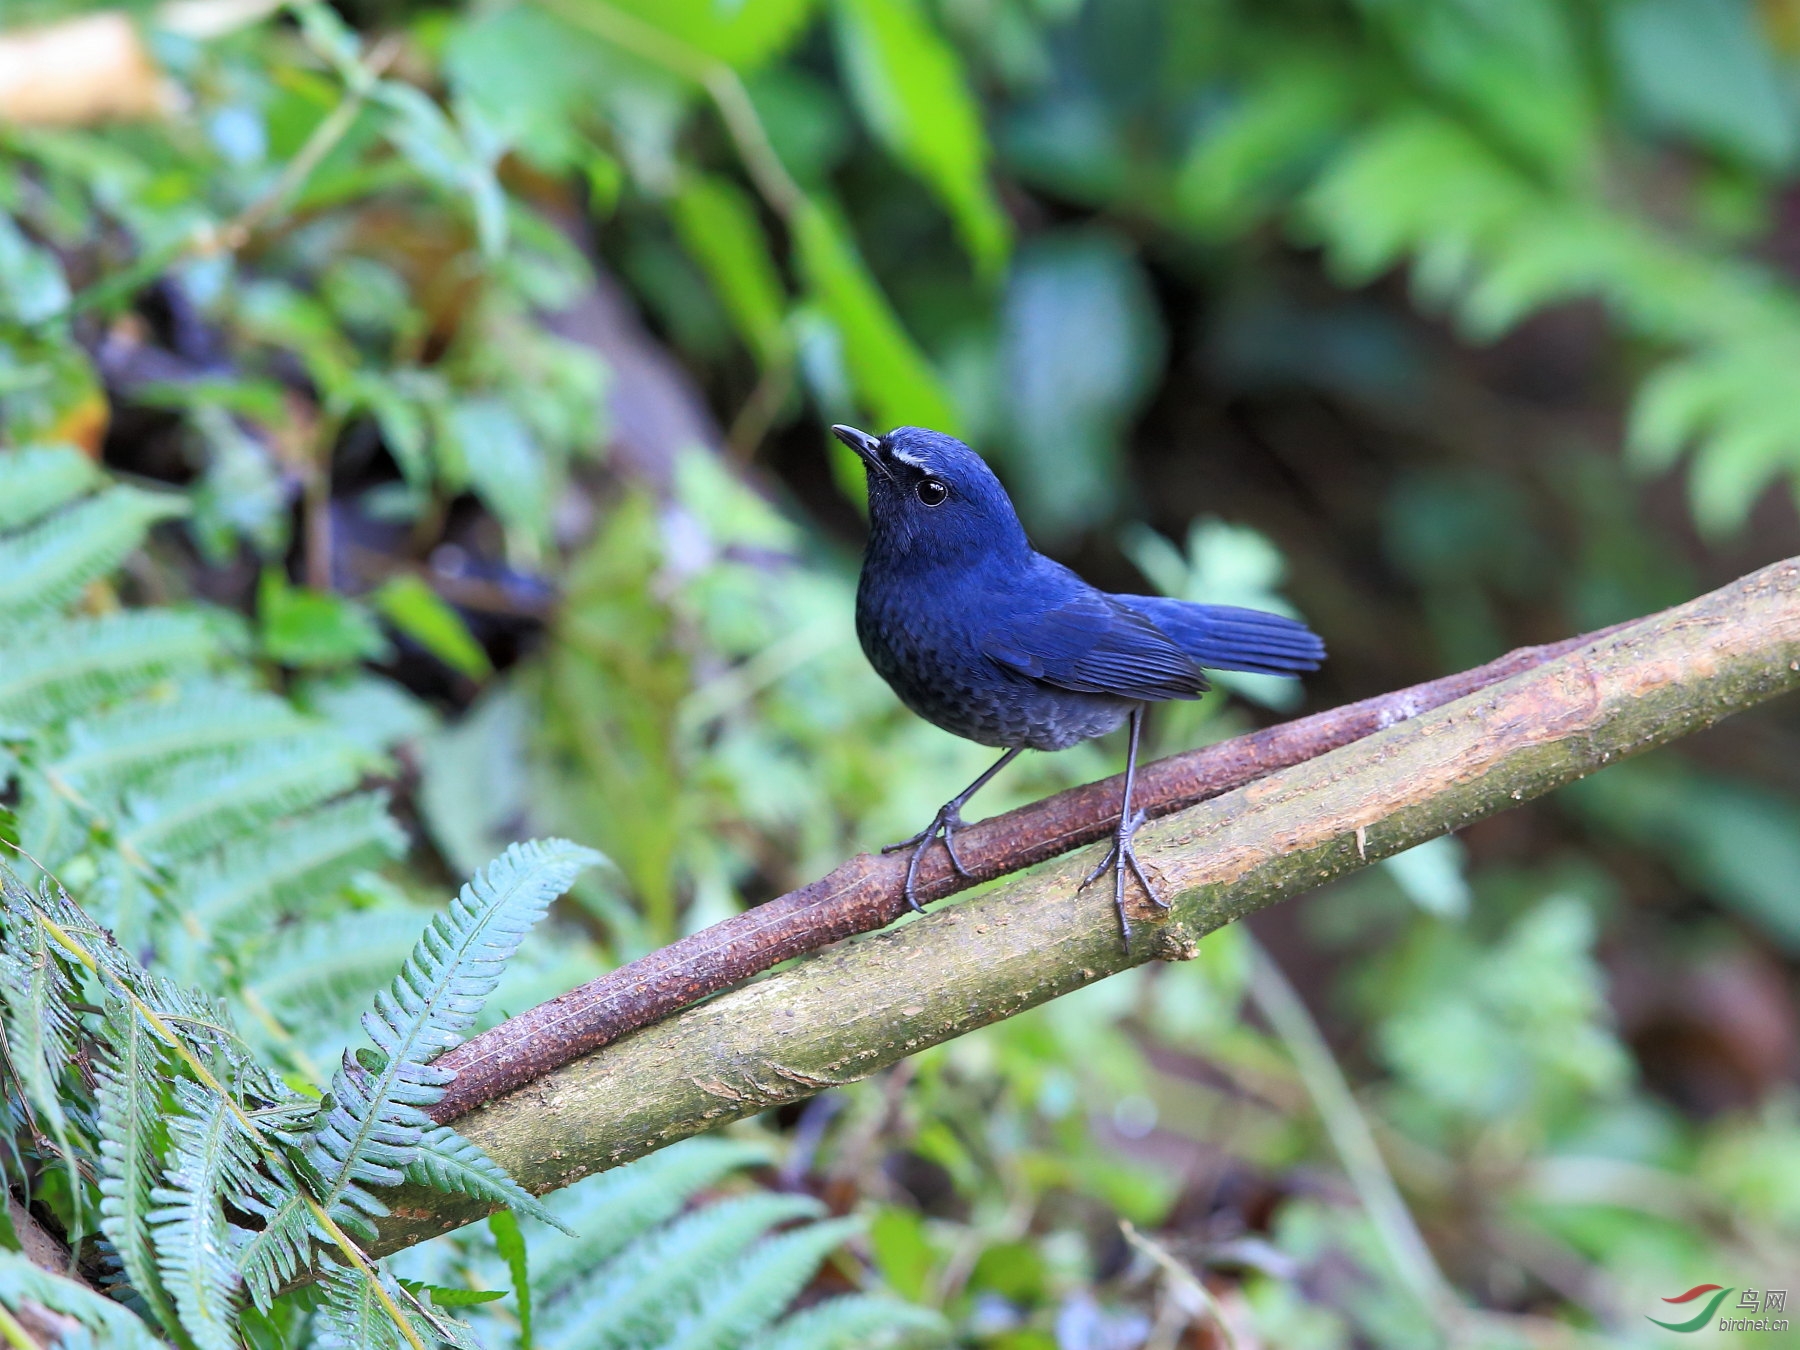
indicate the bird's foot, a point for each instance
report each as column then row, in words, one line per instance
column 944, row 824
column 1120, row 858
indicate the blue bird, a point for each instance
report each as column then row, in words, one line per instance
column 982, row 635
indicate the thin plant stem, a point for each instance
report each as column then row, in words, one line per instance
column 718, row 79
column 1352, row 1138
column 14, row 1331
column 235, row 233
column 1181, row 1277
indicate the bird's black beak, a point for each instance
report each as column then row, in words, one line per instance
column 867, row 447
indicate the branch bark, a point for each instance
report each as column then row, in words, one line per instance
column 854, row 1008
column 868, row 892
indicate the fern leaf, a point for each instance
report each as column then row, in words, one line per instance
column 35, row 990
column 449, row 1162
column 44, row 566
column 58, row 669
column 277, row 1253
column 371, row 1125
column 317, row 968
column 354, row 1318
column 39, row 479
column 636, row 1198
column 130, row 1109
column 212, row 1161
column 202, row 803
column 109, row 751
column 204, row 1022
column 857, row 1322
column 116, row 1328
column 751, row 1294
column 308, row 856
column 635, row 1299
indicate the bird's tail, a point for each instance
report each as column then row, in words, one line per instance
column 1225, row 637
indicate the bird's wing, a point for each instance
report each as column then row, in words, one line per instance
column 1092, row 645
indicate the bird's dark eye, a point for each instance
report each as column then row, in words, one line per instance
column 932, row 491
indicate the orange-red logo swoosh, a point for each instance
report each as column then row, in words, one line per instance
column 1692, row 1294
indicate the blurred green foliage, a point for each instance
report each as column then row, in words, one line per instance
column 479, row 356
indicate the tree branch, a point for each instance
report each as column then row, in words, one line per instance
column 857, row 1007
column 868, row 892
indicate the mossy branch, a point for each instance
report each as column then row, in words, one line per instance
column 854, row 1008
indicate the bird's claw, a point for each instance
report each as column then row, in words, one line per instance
column 1120, row 857
column 944, row 824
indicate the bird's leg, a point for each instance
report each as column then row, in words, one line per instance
column 1121, row 855
column 946, row 822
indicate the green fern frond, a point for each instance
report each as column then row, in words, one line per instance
column 44, row 566
column 212, row 1159
column 38, row 479
column 201, row 1020
column 279, row 1251
column 753, row 1291
column 115, row 1327
column 54, row 670
column 635, row 1298
column 107, row 752
column 638, row 1197
column 857, row 1322
column 370, row 1127
column 353, row 1317
column 36, row 990
column 449, row 1162
column 317, row 968
column 130, row 1075
column 306, row 856
column 200, row 804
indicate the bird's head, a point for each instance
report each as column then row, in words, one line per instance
column 930, row 493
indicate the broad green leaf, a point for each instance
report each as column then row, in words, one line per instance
column 420, row 613
column 1704, row 71
column 1731, row 840
column 1081, row 346
column 902, row 1250
column 505, row 464
column 510, row 1243
column 741, row 33
column 909, row 87
column 893, row 378
column 1244, row 160
column 315, row 629
column 536, row 77
column 1433, row 875
column 717, row 222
